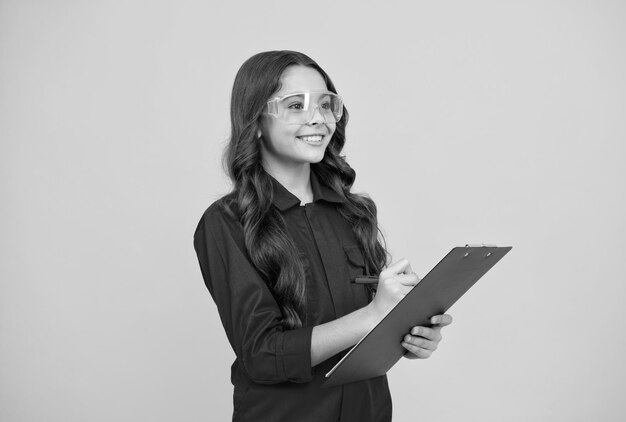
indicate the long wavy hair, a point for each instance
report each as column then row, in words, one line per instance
column 271, row 249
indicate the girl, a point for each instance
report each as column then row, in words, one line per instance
column 278, row 253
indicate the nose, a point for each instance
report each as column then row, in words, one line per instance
column 316, row 117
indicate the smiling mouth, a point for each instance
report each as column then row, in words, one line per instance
column 311, row 139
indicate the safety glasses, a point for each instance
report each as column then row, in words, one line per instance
column 299, row 108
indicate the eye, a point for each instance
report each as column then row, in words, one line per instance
column 325, row 105
column 295, row 105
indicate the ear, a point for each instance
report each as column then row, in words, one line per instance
column 258, row 134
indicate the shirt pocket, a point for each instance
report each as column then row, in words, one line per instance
column 361, row 293
column 356, row 261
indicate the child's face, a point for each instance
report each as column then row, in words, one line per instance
column 287, row 145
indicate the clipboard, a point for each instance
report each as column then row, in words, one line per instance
column 381, row 348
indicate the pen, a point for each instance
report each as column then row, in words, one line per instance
column 366, row 279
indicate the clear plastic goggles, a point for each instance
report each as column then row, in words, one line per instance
column 299, row 108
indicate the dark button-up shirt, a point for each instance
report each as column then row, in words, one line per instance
column 272, row 374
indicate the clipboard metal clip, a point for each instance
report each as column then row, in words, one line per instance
column 482, row 245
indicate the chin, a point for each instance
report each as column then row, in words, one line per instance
column 314, row 159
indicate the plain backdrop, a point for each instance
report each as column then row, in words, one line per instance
column 471, row 122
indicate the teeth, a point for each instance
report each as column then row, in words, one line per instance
column 314, row 138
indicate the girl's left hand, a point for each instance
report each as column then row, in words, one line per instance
column 421, row 342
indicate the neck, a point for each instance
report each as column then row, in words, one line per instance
column 296, row 180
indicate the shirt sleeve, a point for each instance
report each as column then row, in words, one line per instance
column 251, row 317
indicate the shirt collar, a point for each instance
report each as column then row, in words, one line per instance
column 283, row 199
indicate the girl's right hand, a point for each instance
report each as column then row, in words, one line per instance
column 394, row 282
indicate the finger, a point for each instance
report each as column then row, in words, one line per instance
column 421, row 342
column 418, row 352
column 441, row 320
column 433, row 334
column 398, row 267
column 408, row 279
column 408, row 269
